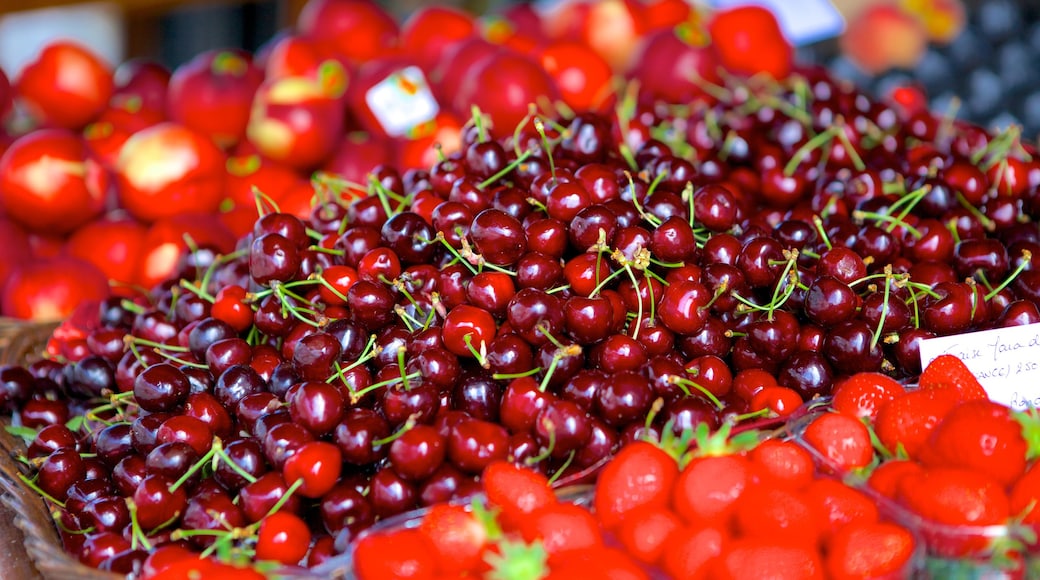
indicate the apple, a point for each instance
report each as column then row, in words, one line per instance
column 672, row 64
column 6, row 95
column 883, row 37
column 51, row 183
column 356, row 155
column 14, row 247
column 165, row 245
column 144, row 82
column 66, row 86
column 297, row 120
column 358, row 30
column 169, row 169
column 613, row 28
column 293, row 55
column 581, row 74
column 251, row 170
column 425, row 150
column 114, row 244
column 747, row 40
column 212, row 94
column 518, row 81
column 122, row 118
column 50, row 289
column 431, row 31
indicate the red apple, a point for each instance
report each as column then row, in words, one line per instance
column 612, row 28
column 292, row 55
column 143, row 81
column 518, row 82
column 747, row 40
column 432, row 30
column 113, row 244
column 457, row 64
column 298, row 120
column 390, row 97
column 164, row 244
column 66, row 85
column 582, row 75
column 14, row 247
column 883, row 37
column 357, row 154
column 212, row 94
column 248, row 171
column 51, row 183
column 6, row 95
column 50, row 289
column 122, row 118
column 672, row 64
column 169, row 169
column 423, row 152
column 358, row 30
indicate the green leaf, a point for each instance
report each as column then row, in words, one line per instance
column 27, row 434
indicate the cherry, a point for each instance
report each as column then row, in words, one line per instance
column 498, row 237
column 345, row 508
column 473, row 444
column 359, row 434
column 158, row 503
column 562, row 427
column 317, row 406
column 418, row 452
column 317, row 464
column 259, row 497
column 390, row 494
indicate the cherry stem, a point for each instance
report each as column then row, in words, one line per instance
column 31, row 484
column 539, row 126
column 818, row 224
column 986, row 222
column 857, row 161
column 137, row 535
column 684, row 384
column 816, row 142
column 884, row 308
column 407, row 426
column 511, row 376
column 560, row 471
column 520, row 159
column 197, row 465
column 1027, row 256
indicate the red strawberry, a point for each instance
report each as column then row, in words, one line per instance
column 862, row 394
column 947, row 370
column 906, row 422
column 981, row 436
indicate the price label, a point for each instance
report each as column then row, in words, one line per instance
column 402, row 101
column 802, row 21
column 1005, row 360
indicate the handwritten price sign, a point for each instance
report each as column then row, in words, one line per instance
column 1005, row 360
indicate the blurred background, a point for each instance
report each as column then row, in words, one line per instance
column 977, row 59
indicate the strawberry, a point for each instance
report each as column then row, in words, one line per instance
column 905, row 423
column 645, row 532
column 691, row 549
column 947, row 370
column 641, row 476
column 884, row 479
column 862, row 394
column 764, row 558
column 842, row 439
column 457, row 535
column 515, row 491
column 956, row 496
column 870, row 550
column 784, row 463
column 777, row 514
column 982, row 436
column 838, row 505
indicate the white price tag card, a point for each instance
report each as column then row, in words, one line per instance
column 1005, row 360
column 402, row 101
column 802, row 21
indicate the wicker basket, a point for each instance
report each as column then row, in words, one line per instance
column 30, row 547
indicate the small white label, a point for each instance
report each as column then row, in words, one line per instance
column 1005, row 360
column 402, row 101
column 802, row 21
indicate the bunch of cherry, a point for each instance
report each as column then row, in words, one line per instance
column 543, row 298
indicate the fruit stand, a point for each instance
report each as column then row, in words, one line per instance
column 617, row 289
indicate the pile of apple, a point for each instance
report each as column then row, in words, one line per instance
column 108, row 177
column 349, row 331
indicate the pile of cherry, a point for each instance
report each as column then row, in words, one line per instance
column 546, row 299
